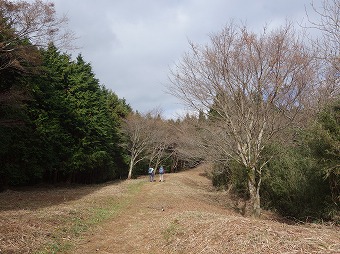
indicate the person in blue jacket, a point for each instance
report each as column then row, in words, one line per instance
column 161, row 174
column 151, row 174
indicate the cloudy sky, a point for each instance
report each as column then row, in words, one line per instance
column 132, row 44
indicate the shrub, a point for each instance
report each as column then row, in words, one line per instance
column 230, row 175
column 294, row 185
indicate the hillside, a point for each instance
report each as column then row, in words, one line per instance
column 184, row 214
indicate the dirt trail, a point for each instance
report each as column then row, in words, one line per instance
column 147, row 224
column 185, row 215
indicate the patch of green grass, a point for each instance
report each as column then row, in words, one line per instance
column 134, row 188
column 171, row 231
column 55, row 246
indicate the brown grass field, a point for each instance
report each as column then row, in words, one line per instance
column 184, row 214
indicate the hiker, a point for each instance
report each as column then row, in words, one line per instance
column 151, row 174
column 161, row 174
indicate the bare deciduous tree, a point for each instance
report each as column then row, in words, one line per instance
column 147, row 138
column 36, row 22
column 327, row 22
column 24, row 28
column 189, row 141
column 161, row 139
column 251, row 86
column 137, row 128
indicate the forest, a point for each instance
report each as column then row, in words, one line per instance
column 265, row 113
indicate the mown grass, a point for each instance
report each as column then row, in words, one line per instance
column 86, row 217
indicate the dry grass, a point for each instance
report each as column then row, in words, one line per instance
column 198, row 232
column 182, row 215
column 49, row 220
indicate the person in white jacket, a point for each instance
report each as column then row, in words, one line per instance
column 151, row 174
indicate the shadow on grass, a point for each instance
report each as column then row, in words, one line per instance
column 37, row 197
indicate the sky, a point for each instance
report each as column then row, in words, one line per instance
column 133, row 44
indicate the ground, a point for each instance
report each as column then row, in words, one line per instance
column 184, row 214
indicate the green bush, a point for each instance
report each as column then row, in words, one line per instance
column 221, row 176
column 294, row 185
column 232, row 175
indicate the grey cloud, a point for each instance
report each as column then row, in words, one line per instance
column 132, row 43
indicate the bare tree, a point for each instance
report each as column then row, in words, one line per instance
column 327, row 22
column 161, row 140
column 137, row 129
column 189, row 141
column 252, row 87
column 24, row 28
column 147, row 138
column 36, row 22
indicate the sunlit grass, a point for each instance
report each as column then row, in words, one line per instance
column 87, row 217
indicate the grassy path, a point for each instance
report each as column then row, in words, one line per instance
column 149, row 224
column 185, row 215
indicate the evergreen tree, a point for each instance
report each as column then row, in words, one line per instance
column 77, row 119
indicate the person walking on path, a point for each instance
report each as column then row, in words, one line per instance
column 161, row 174
column 151, row 174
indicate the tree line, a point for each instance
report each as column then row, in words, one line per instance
column 265, row 113
column 57, row 123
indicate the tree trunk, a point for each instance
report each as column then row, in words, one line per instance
column 130, row 169
column 174, row 163
column 254, row 194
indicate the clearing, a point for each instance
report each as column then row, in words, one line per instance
column 184, row 214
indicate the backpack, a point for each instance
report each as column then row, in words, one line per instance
column 161, row 170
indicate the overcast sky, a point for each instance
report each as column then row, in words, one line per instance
column 132, row 44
